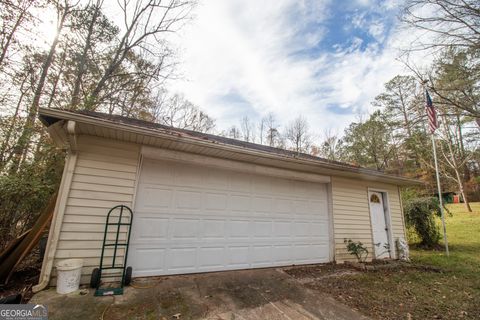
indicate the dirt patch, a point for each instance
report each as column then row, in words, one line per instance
column 24, row 278
column 407, row 291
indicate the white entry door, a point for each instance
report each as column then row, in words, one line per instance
column 379, row 225
column 190, row 218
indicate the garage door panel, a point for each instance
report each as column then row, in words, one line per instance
column 318, row 207
column 301, row 229
column 149, row 228
column 262, row 229
column 239, row 181
column 215, row 201
column 153, row 259
column 262, row 184
column 282, row 229
column 211, row 257
column 213, row 229
column 319, row 251
column 238, row 256
column 188, row 200
column 283, row 205
column 194, row 219
column 282, row 186
column 152, row 172
column 216, row 180
column 318, row 229
column 239, row 229
column 188, row 176
column 282, row 253
column 181, row 258
column 185, row 229
column 262, row 204
column 239, row 202
column 261, row 255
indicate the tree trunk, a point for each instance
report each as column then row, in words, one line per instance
column 83, row 57
column 462, row 191
column 28, row 128
column 458, row 177
column 10, row 35
column 57, row 78
column 5, row 159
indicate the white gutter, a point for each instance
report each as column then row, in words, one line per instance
column 176, row 136
column 59, row 210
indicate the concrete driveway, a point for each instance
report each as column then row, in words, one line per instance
column 247, row 294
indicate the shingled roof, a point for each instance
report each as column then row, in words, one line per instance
column 47, row 118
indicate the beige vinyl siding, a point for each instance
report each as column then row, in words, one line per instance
column 351, row 213
column 104, row 177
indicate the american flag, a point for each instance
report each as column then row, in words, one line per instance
column 431, row 114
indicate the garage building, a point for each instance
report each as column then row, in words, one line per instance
column 207, row 203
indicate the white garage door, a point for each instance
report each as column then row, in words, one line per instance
column 190, row 218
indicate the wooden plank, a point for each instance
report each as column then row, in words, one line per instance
column 12, row 261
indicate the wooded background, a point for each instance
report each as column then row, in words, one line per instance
column 94, row 63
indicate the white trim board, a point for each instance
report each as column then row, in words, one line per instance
column 177, row 156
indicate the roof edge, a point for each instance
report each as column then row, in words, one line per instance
column 50, row 116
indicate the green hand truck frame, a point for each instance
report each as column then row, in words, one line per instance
column 114, row 221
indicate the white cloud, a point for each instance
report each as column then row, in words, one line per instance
column 244, row 49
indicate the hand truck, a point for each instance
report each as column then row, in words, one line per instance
column 118, row 217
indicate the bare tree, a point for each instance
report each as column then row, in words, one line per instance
column 298, row 135
column 247, row 129
column 448, row 27
column 451, row 22
column 331, row 145
column 91, row 16
column 178, row 112
column 272, row 131
column 233, row 133
column 144, row 22
column 261, row 129
column 455, row 158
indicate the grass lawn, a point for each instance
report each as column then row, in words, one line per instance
column 450, row 290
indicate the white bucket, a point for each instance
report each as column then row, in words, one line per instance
column 68, row 275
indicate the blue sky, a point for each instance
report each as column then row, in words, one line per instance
column 325, row 60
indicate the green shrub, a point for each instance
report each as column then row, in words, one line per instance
column 357, row 249
column 420, row 216
column 24, row 194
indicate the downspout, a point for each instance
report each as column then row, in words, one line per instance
column 59, row 211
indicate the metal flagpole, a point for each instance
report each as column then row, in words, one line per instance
column 433, row 126
column 440, row 199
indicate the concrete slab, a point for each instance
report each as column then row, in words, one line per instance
column 246, row 294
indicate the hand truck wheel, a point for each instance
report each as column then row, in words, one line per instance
column 128, row 276
column 95, row 278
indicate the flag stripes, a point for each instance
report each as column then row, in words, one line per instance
column 431, row 113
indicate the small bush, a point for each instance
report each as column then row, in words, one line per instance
column 420, row 216
column 357, row 249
